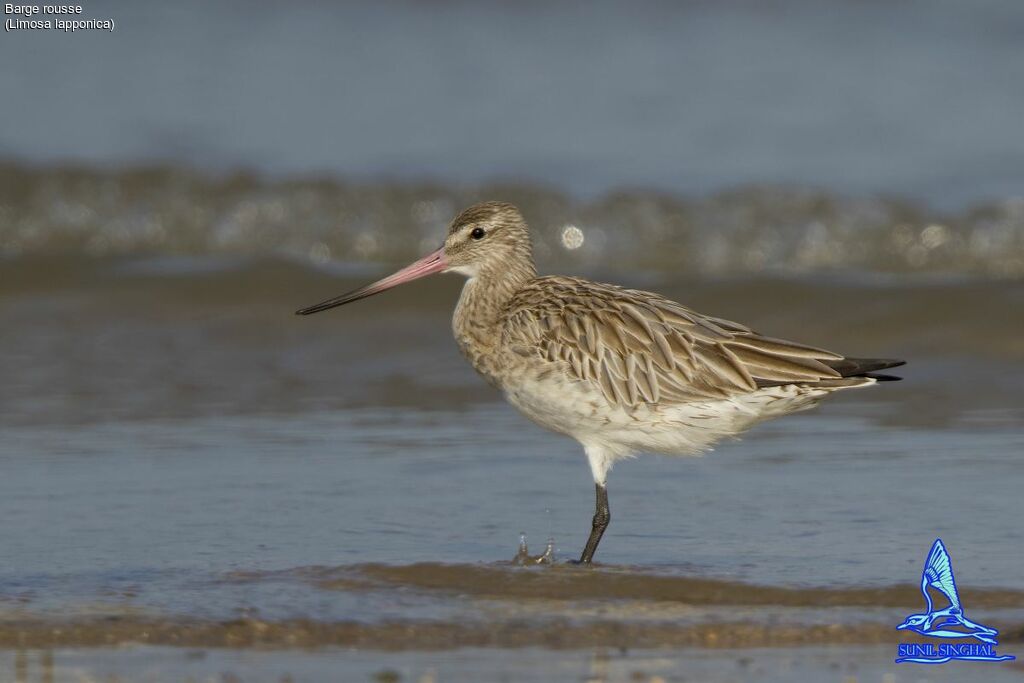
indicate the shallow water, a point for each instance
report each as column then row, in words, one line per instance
column 187, row 465
column 179, row 450
column 188, row 516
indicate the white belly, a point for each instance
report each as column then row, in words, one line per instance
column 578, row 409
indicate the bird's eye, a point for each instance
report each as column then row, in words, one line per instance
column 477, row 234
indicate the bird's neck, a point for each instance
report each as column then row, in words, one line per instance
column 483, row 303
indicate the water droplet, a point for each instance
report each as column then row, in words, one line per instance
column 524, row 558
column 934, row 235
column 549, row 553
column 523, row 553
column 572, row 237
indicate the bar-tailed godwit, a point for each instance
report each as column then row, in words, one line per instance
column 622, row 371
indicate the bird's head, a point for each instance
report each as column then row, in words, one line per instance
column 490, row 237
column 914, row 622
column 487, row 237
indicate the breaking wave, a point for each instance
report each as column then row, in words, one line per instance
column 172, row 211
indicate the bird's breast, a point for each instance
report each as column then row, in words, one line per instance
column 479, row 344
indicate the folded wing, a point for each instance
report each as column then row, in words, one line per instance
column 639, row 347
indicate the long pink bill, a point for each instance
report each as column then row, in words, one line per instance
column 428, row 265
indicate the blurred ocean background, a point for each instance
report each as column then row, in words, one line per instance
column 918, row 100
column 176, row 445
column 690, row 138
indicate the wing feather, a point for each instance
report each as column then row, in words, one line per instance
column 939, row 571
column 639, row 347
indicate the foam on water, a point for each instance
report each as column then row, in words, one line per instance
column 173, row 212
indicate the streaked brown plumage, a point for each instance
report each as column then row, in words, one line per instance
column 639, row 347
column 620, row 370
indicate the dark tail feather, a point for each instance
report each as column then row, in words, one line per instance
column 881, row 378
column 866, row 367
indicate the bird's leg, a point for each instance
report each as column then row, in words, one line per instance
column 602, row 515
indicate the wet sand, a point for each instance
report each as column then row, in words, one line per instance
column 567, row 582
column 553, row 634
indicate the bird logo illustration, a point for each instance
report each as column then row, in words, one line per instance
column 938, row 574
column 949, row 622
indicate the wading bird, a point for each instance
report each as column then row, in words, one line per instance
column 620, row 370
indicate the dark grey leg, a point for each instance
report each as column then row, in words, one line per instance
column 602, row 515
